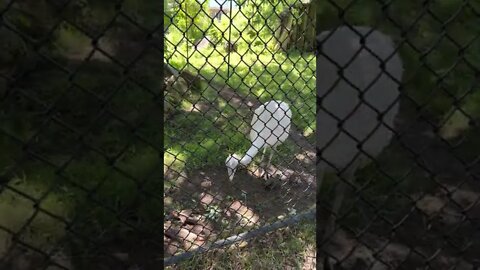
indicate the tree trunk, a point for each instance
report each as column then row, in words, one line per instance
column 285, row 28
column 303, row 28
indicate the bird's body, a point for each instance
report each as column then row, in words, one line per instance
column 270, row 127
column 358, row 104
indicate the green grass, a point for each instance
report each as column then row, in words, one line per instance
column 288, row 247
column 288, row 77
column 207, row 138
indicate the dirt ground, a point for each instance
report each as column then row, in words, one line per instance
column 246, row 203
column 295, row 190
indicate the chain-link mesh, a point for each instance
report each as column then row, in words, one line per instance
column 397, row 117
column 239, row 121
column 80, row 134
column 81, row 130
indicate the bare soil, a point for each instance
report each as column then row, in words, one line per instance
column 245, row 203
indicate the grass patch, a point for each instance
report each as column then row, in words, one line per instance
column 206, row 138
column 289, row 247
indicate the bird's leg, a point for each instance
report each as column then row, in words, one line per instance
column 271, row 156
column 263, row 154
column 261, row 161
column 267, row 177
column 339, row 194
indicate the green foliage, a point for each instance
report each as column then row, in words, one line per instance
column 192, row 18
column 206, row 137
column 187, row 22
column 252, row 25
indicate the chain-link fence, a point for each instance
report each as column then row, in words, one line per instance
column 397, row 124
column 239, row 121
column 84, row 85
column 81, row 134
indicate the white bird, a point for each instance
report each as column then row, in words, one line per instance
column 354, row 125
column 270, row 127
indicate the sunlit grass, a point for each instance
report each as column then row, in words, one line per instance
column 209, row 138
column 174, row 160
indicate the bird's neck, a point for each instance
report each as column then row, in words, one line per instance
column 251, row 153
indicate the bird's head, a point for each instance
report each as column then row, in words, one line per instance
column 232, row 162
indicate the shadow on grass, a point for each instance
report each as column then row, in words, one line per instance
column 199, row 138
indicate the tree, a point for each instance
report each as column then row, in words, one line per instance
column 189, row 22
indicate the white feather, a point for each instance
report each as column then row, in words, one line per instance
column 271, row 124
